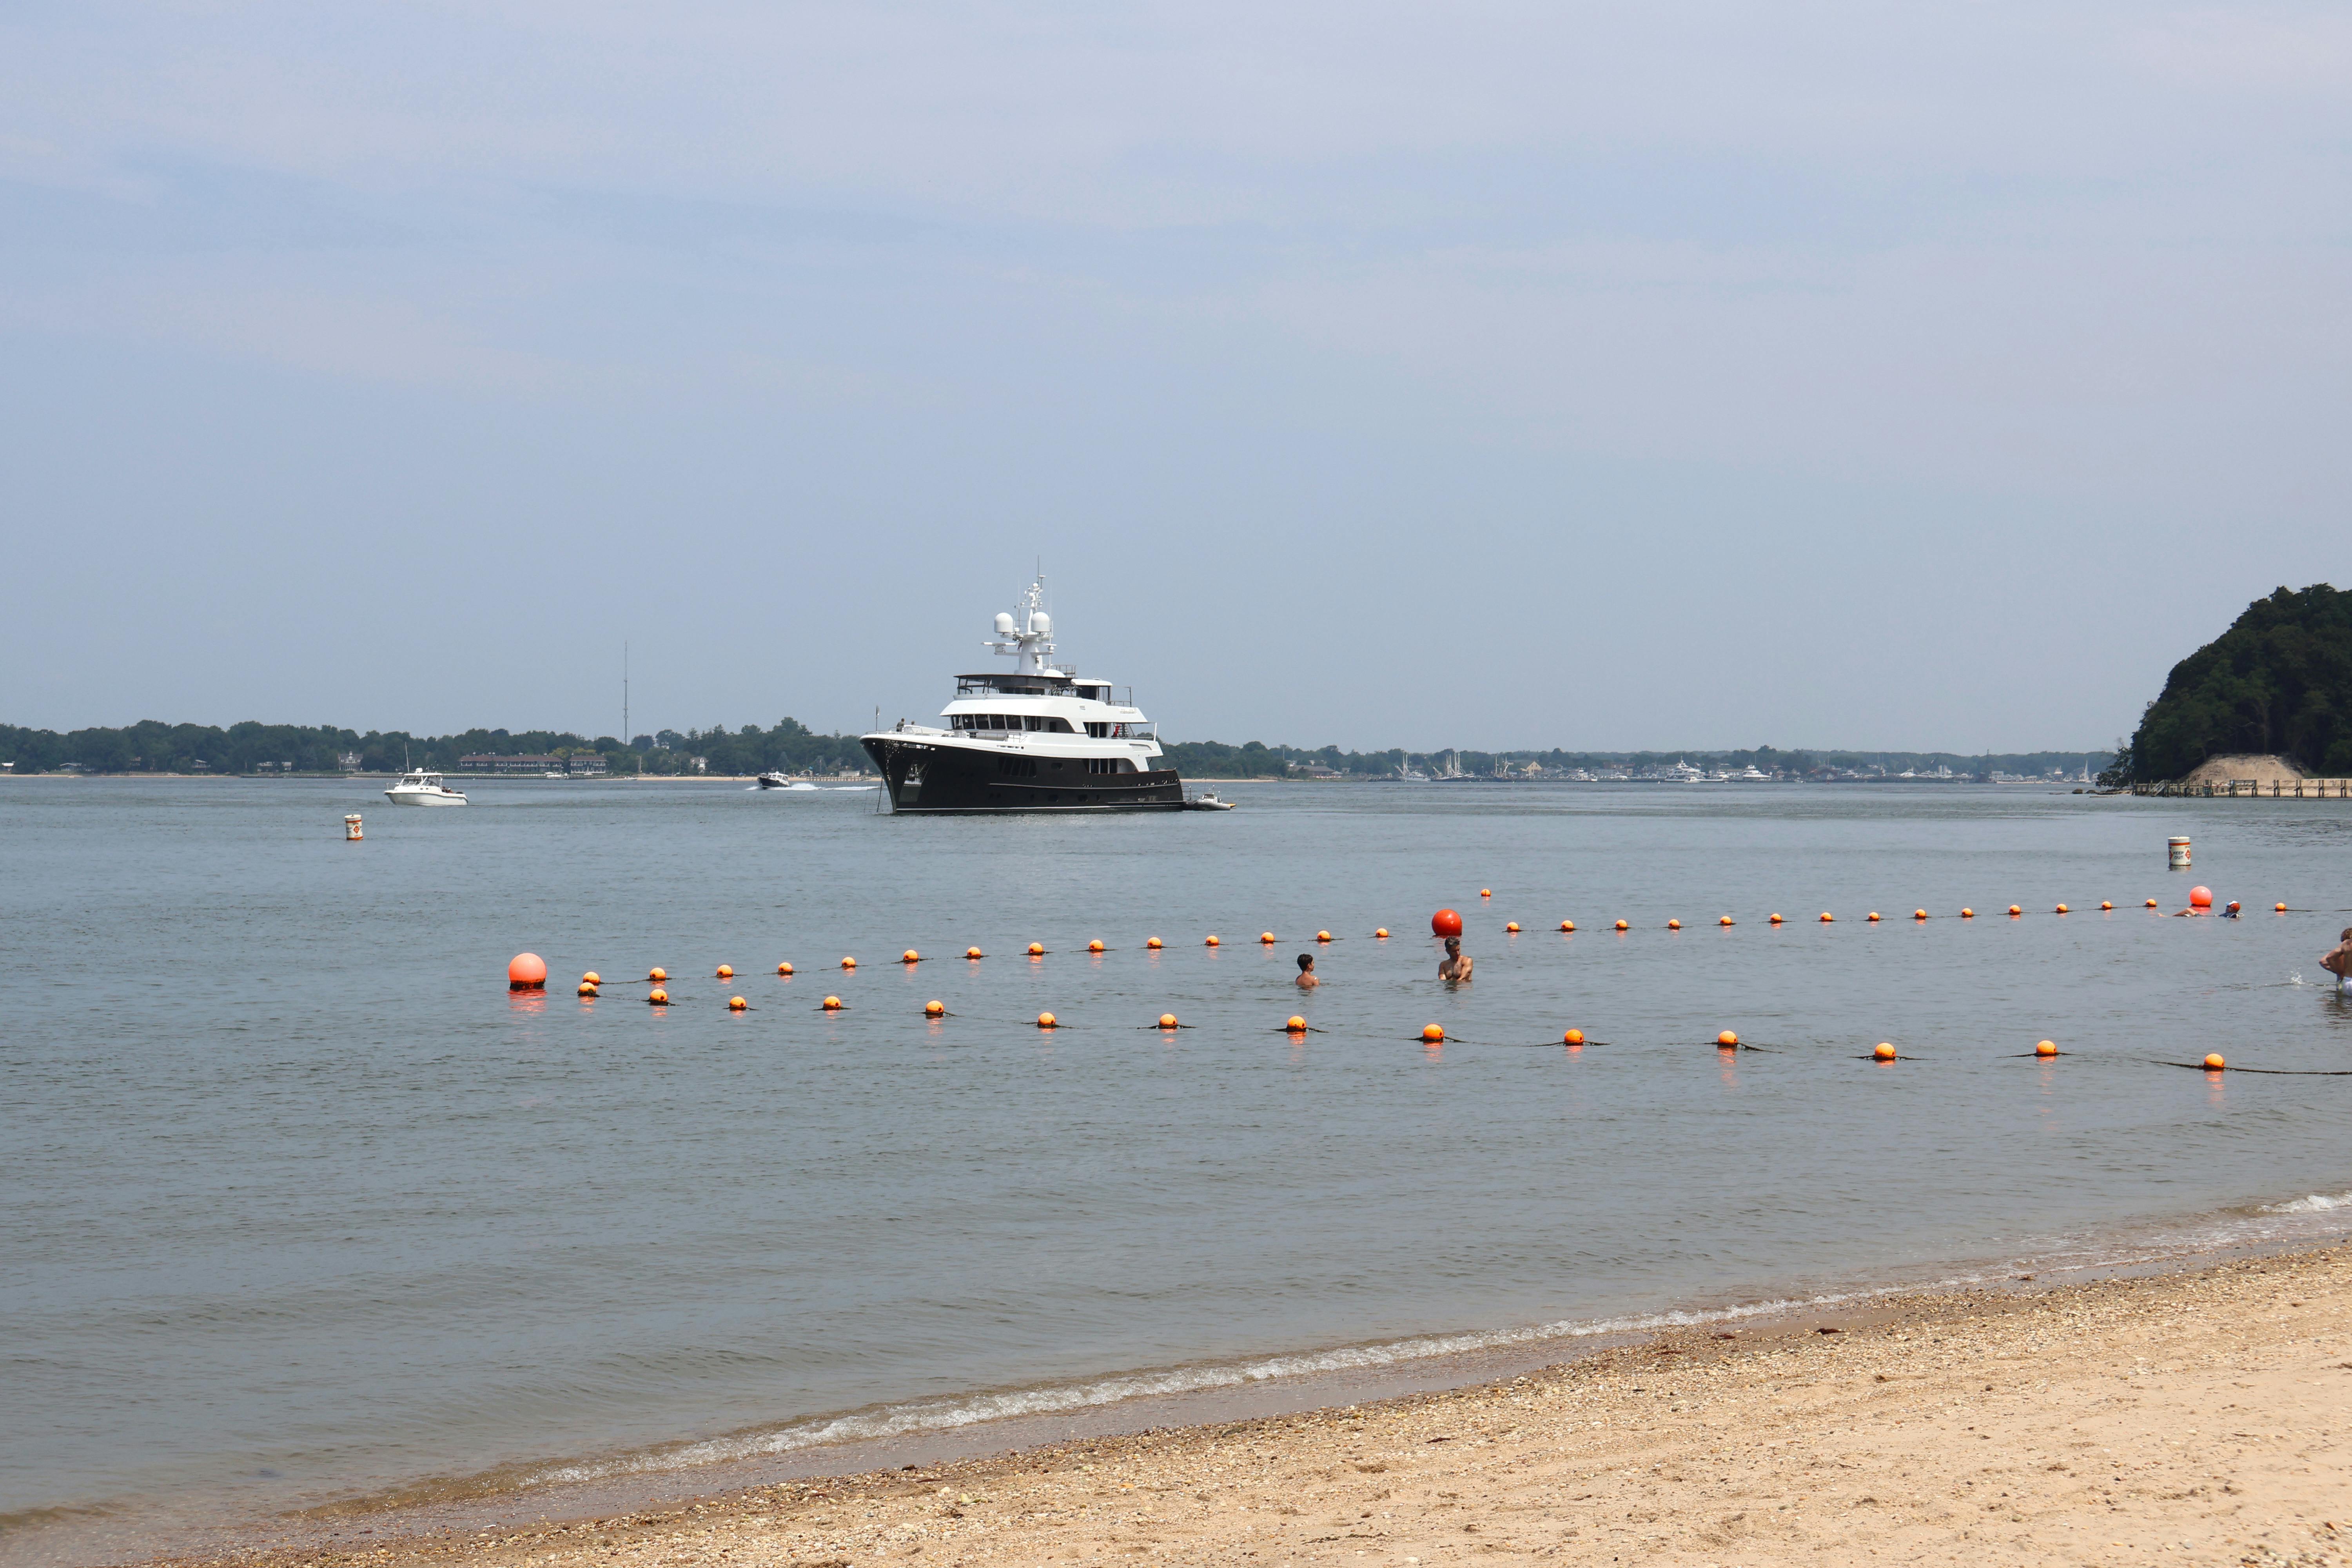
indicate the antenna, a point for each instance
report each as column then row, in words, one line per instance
column 625, row 691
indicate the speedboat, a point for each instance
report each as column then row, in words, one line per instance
column 421, row 788
column 780, row 781
column 1036, row 738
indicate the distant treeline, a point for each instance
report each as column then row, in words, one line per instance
column 1211, row 759
column 158, row 748
column 791, row 747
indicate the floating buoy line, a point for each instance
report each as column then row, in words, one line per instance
column 527, row 973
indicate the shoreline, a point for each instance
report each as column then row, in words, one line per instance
column 1536, row 1426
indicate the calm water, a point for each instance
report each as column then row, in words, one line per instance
column 300, row 1204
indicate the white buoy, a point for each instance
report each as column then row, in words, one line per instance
column 351, row 829
column 2179, row 855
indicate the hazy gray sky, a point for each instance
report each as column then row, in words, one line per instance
column 1479, row 374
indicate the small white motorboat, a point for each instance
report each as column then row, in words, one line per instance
column 421, row 788
column 777, row 781
column 1208, row 802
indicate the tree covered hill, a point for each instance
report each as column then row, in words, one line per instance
column 2278, row 681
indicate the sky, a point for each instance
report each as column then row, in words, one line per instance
column 1486, row 375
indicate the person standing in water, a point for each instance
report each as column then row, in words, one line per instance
column 1455, row 969
column 1307, row 978
column 2337, row 959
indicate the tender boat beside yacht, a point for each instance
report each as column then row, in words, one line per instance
column 419, row 787
column 1036, row 738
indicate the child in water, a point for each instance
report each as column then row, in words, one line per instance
column 1307, row 981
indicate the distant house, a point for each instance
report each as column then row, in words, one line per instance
column 483, row 762
column 347, row 761
column 582, row 764
column 1312, row 770
column 699, row 765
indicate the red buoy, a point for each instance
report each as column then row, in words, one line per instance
column 1445, row 922
column 526, row 972
column 2200, row 898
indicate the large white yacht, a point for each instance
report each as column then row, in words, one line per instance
column 1036, row 737
column 418, row 787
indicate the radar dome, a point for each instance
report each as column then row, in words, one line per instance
column 1004, row 624
column 1041, row 623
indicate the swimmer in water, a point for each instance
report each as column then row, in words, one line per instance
column 1308, row 980
column 1455, row 970
column 2337, row 959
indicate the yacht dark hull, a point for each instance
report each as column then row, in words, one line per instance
column 924, row 777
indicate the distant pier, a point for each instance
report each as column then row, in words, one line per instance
column 2250, row 789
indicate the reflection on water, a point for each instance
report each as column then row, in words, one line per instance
column 270, row 1242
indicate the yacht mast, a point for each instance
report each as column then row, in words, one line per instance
column 1028, row 637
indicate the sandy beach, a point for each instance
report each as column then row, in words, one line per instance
column 2190, row 1418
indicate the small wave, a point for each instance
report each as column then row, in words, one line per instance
column 2318, row 1203
column 946, row 1414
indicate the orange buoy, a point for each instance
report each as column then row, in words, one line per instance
column 1967, row 914
column 2215, row 1062
column 2200, row 898
column 1267, row 937
column 2015, row 911
column 592, row 978
column 526, row 972
column 657, row 973
column 1621, row 926
column 2106, row 904
column 1918, row 914
column 1674, row 925
column 1776, row 920
column 1047, row 1021
column 1568, row 925
column 1882, row 1052
column 1095, row 946
column 588, row 988
column 784, row 969
column 2150, row 904
column 1724, row 921
column 1445, row 922
column 934, row 1008
column 737, row 1003
column 911, row 956
column 724, row 972
column 1036, row 949
column 1512, row 927
column 1212, row 942
column 833, row 1004
column 1432, row 1033
column 1873, row 915
column 1827, row 917
column 657, row 996
column 849, row 963
column 1727, row 1039
column 1486, row 892
column 1294, row 1023
column 1322, row 936
column 972, row 952
column 2046, row 1049
column 1168, row 1021
column 2061, row 910
column 1154, row 943
column 1573, row 1037
column 1382, row 933
column 2278, row 909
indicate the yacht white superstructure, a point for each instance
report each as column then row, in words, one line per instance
column 1037, row 737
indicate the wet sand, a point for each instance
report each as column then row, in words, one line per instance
column 2190, row 1418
